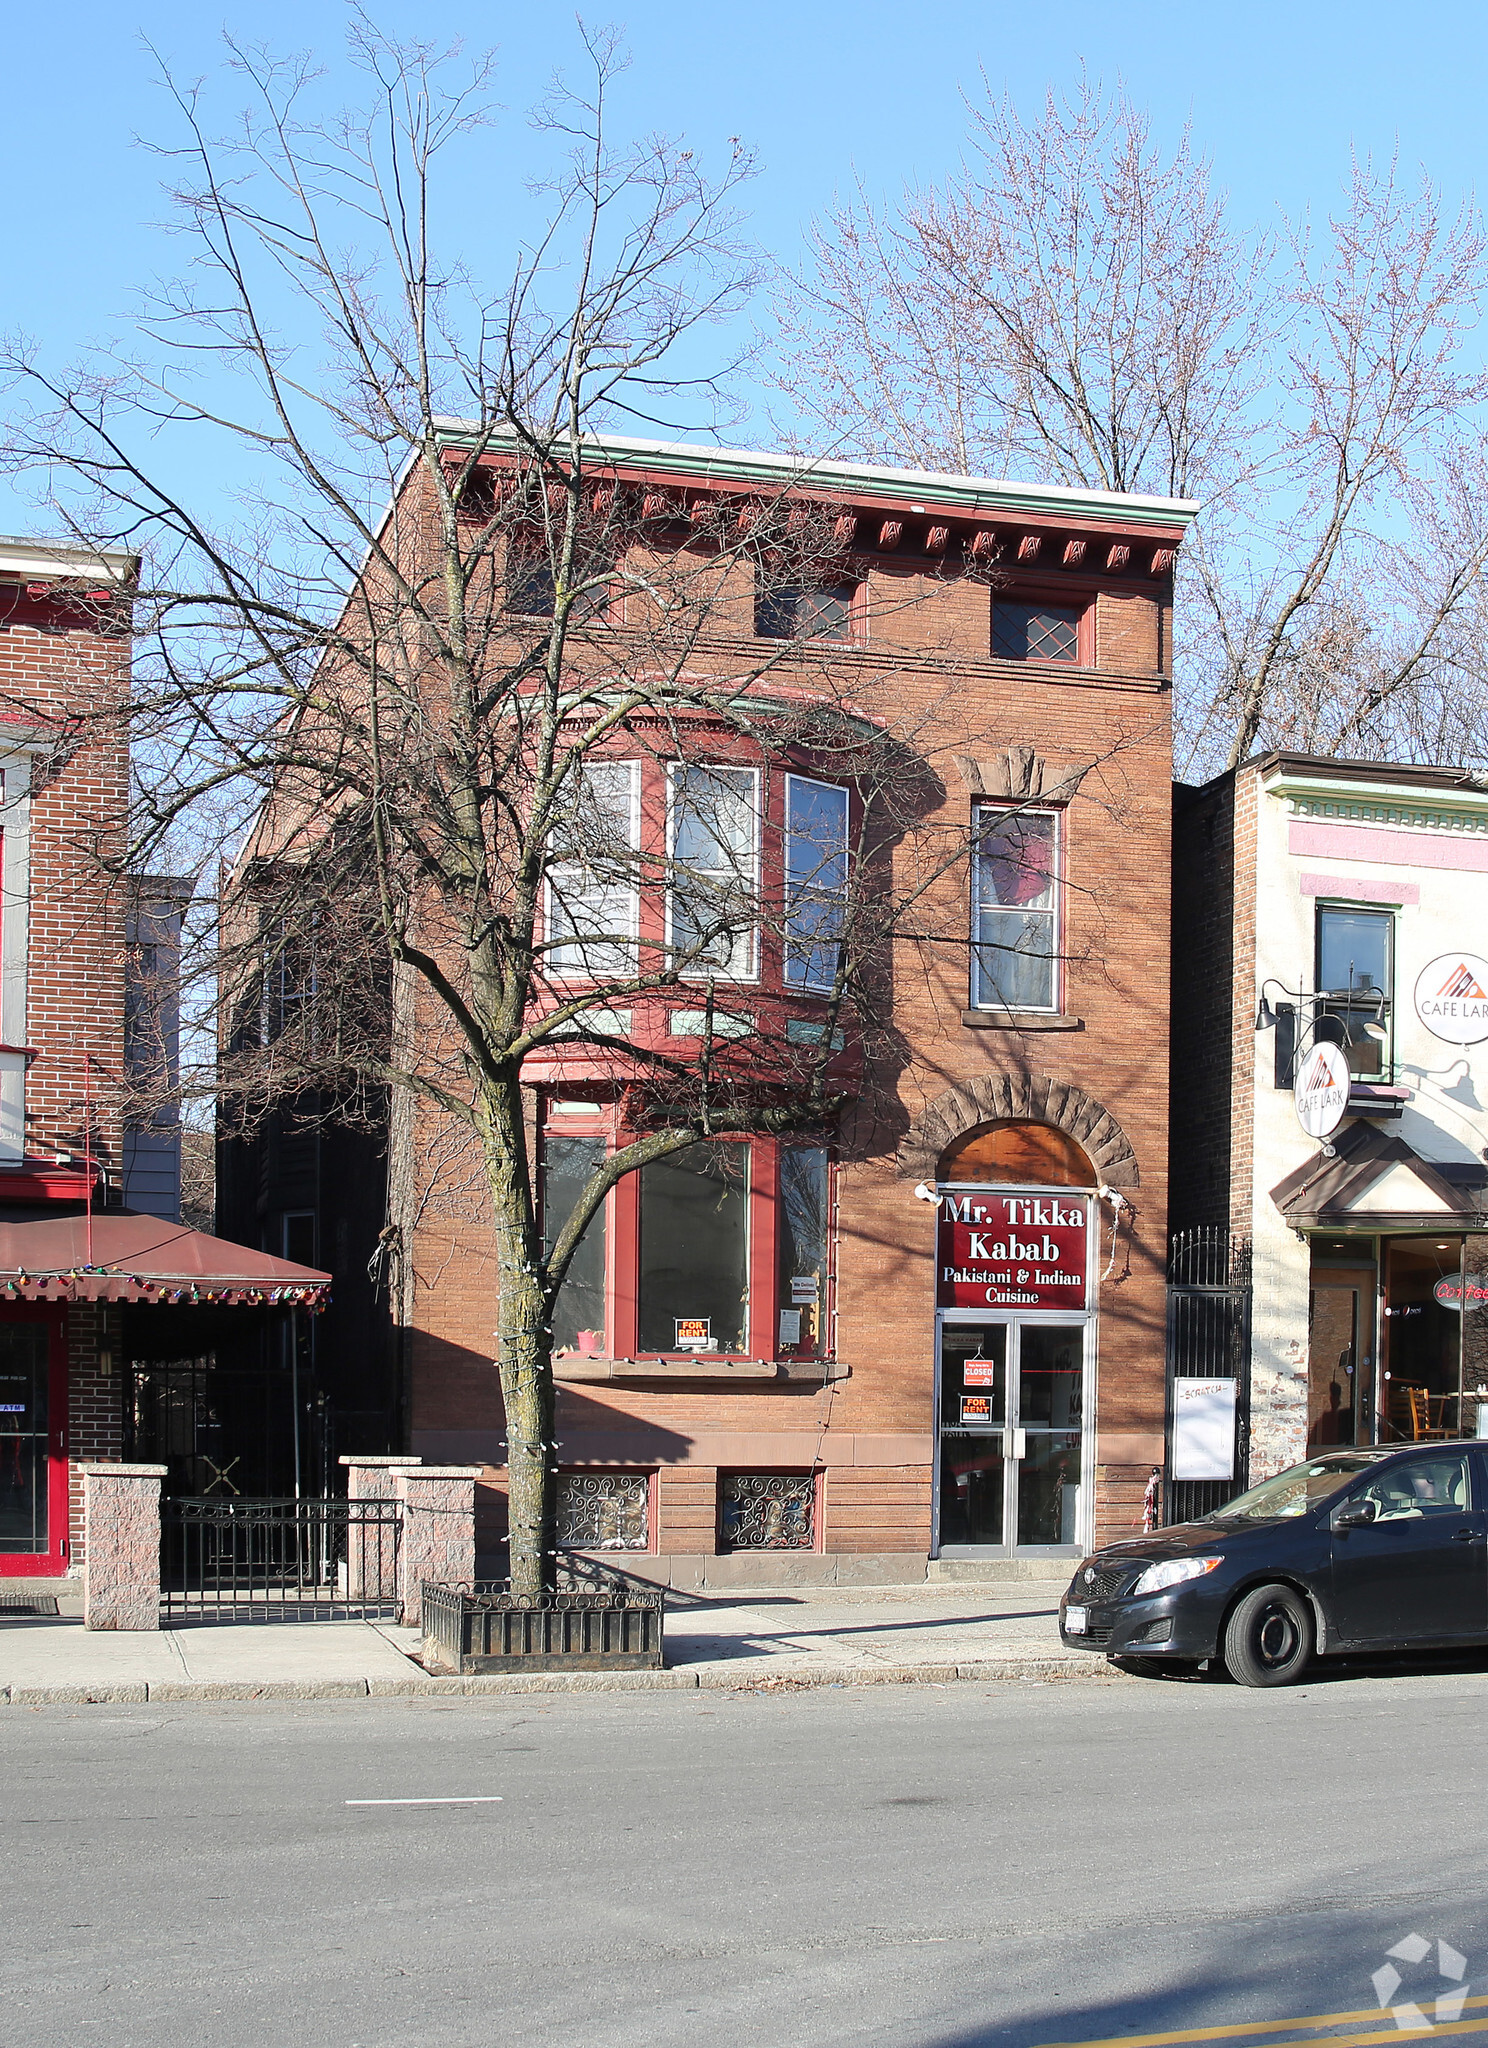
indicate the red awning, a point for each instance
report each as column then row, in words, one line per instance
column 139, row 1258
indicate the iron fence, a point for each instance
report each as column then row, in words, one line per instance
column 596, row 1619
column 1208, row 1337
column 279, row 1560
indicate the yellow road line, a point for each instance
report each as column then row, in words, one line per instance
column 1321, row 2019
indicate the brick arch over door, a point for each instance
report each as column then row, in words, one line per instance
column 991, row 1098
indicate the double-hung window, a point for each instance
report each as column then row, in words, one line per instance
column 592, row 876
column 713, row 849
column 1355, row 960
column 1015, row 910
column 815, row 881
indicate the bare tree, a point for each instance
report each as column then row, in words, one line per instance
column 1075, row 303
column 408, row 696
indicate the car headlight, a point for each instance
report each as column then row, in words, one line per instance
column 1176, row 1572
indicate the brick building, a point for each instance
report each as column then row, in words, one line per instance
column 935, row 1329
column 1329, row 1005
column 88, row 1286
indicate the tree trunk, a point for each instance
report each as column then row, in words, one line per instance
column 524, row 1337
column 527, row 1392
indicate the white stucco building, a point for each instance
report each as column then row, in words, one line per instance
column 1341, row 905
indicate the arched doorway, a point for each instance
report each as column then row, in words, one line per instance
column 1015, row 1341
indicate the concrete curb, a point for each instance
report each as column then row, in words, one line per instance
column 776, row 1675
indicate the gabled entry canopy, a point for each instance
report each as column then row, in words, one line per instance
column 119, row 1256
column 1377, row 1181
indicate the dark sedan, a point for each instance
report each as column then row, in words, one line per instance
column 1354, row 1550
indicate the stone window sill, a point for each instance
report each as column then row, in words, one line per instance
column 574, row 1369
column 1019, row 1020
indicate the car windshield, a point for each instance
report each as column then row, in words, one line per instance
column 1292, row 1492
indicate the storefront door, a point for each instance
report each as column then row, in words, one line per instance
column 1011, row 1446
column 33, row 1465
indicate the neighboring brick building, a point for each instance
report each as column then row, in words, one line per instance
column 84, row 999
column 1328, row 903
column 779, row 1377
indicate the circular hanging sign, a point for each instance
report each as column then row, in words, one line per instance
column 1320, row 1092
column 1452, row 998
column 1450, row 1292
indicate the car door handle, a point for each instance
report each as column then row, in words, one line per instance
column 1463, row 1535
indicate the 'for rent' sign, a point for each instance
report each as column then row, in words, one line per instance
column 1013, row 1251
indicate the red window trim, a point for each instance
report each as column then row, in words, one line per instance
column 623, row 1244
column 1063, row 599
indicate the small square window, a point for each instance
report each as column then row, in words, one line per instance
column 532, row 590
column 785, row 611
column 1035, row 632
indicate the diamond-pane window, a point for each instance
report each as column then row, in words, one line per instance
column 1036, row 632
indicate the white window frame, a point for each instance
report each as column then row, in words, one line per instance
column 624, row 964
column 743, row 965
column 985, row 813
column 801, row 952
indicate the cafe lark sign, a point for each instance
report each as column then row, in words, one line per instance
column 1013, row 1251
column 1452, row 998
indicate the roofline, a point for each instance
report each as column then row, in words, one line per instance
column 937, row 490
column 62, row 561
column 1341, row 768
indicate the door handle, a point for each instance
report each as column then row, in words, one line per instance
column 1463, row 1535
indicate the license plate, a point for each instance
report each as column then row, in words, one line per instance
column 1074, row 1621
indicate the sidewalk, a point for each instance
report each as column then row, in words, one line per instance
column 777, row 1639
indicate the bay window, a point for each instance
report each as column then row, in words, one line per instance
column 713, row 860
column 694, row 1250
column 1015, row 910
column 815, row 881
column 579, row 1312
column 592, row 896
column 720, row 1250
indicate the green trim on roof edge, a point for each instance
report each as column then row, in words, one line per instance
column 966, row 495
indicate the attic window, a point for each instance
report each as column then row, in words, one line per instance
column 1035, row 632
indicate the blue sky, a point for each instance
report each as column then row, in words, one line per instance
column 1277, row 95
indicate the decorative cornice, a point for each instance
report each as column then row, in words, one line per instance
column 1375, row 803
column 867, row 482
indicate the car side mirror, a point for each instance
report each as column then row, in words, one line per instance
column 1359, row 1516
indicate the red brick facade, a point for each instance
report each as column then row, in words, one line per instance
column 1099, row 1067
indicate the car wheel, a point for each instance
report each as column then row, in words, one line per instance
column 1269, row 1638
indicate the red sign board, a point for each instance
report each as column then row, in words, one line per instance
column 1013, row 1251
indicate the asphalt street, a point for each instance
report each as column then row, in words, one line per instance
column 922, row 1866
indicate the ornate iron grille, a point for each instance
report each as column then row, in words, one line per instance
column 604, row 1511
column 1208, row 1337
column 279, row 1560
column 767, row 1510
column 1036, row 632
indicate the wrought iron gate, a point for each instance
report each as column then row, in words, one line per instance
column 279, row 1560
column 1208, row 1337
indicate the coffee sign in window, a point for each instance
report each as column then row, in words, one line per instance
column 1013, row 1251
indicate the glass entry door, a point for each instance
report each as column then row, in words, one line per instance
column 32, row 1474
column 1011, row 1435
